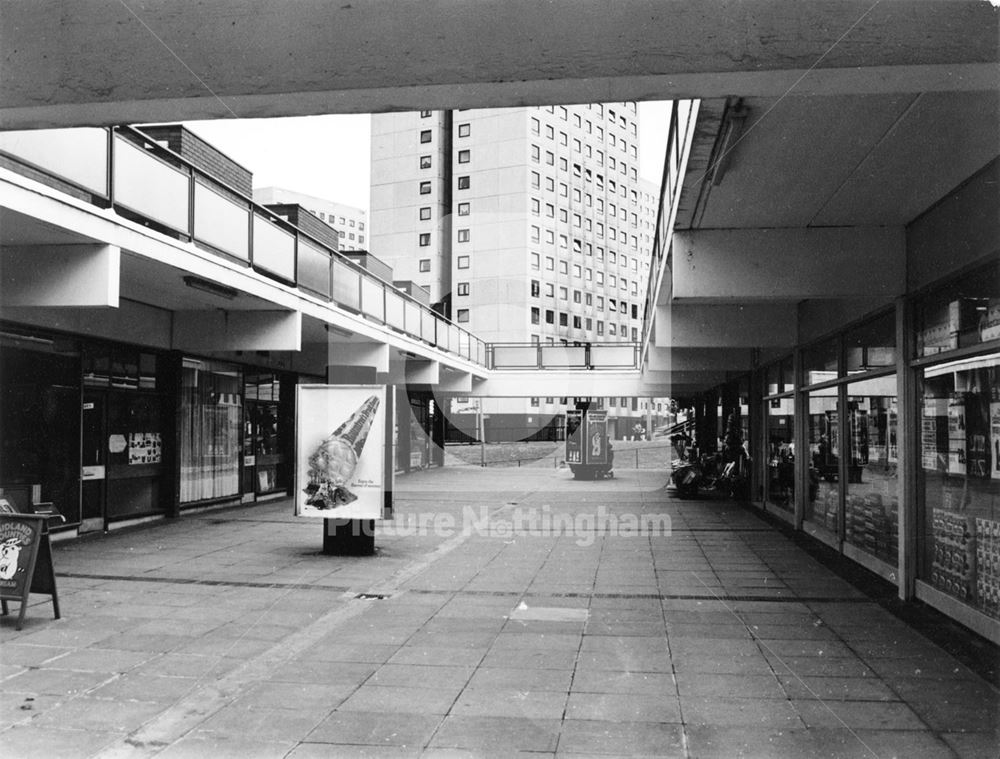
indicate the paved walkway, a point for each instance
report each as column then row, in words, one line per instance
column 507, row 611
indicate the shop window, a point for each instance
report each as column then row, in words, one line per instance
column 962, row 314
column 871, row 505
column 822, row 508
column 959, row 480
column 778, row 377
column 872, row 345
column 821, row 362
column 780, row 483
column 209, row 430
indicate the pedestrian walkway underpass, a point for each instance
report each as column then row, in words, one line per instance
column 505, row 611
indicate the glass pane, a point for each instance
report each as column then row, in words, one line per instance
column 872, row 502
column 787, row 374
column 820, row 362
column 210, row 419
column 964, row 313
column 872, row 346
column 772, row 380
column 822, row 507
column 960, row 467
column 780, row 453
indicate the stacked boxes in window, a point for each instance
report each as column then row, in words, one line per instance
column 953, row 568
column 988, row 565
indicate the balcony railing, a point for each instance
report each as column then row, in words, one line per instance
column 574, row 355
column 123, row 169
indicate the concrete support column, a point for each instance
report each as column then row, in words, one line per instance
column 908, row 443
column 800, row 421
column 402, row 457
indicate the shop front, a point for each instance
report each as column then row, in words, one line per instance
column 922, row 510
column 957, row 359
column 85, row 428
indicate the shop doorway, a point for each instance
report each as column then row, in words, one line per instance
column 122, row 465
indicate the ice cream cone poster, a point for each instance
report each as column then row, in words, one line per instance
column 340, row 459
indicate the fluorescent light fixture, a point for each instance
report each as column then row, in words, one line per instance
column 208, row 286
column 732, row 128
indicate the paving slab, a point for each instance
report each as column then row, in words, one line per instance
column 722, row 639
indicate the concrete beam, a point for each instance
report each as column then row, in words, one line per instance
column 60, row 275
column 459, row 383
column 422, row 372
column 789, row 264
column 374, row 355
column 698, row 359
column 108, row 63
column 201, row 331
column 726, row 325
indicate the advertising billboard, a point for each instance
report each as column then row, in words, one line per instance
column 340, row 451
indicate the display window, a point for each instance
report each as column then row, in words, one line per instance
column 960, row 479
column 780, row 481
column 823, row 504
column 210, row 430
column 265, row 464
column 963, row 314
column 871, row 506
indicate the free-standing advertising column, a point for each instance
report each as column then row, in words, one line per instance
column 341, row 472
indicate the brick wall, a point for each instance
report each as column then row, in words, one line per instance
column 203, row 155
column 308, row 223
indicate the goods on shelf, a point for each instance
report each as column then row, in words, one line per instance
column 873, row 526
column 954, row 564
column 988, row 565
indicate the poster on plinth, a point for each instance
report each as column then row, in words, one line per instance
column 340, row 451
column 597, row 437
column 574, row 432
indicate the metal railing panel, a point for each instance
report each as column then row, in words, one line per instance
column 221, row 222
column 605, row 356
column 148, row 186
column 563, row 357
column 372, row 298
column 273, row 248
column 428, row 326
column 395, row 313
column 346, row 285
column 515, row 356
column 314, row 268
column 79, row 156
column 412, row 318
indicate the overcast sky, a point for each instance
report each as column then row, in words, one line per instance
column 328, row 156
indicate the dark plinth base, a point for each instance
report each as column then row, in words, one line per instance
column 349, row 537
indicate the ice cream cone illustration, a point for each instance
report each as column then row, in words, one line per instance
column 333, row 462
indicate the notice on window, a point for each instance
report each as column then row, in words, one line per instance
column 145, row 448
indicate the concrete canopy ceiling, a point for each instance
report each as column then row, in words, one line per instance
column 843, row 160
column 78, row 62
